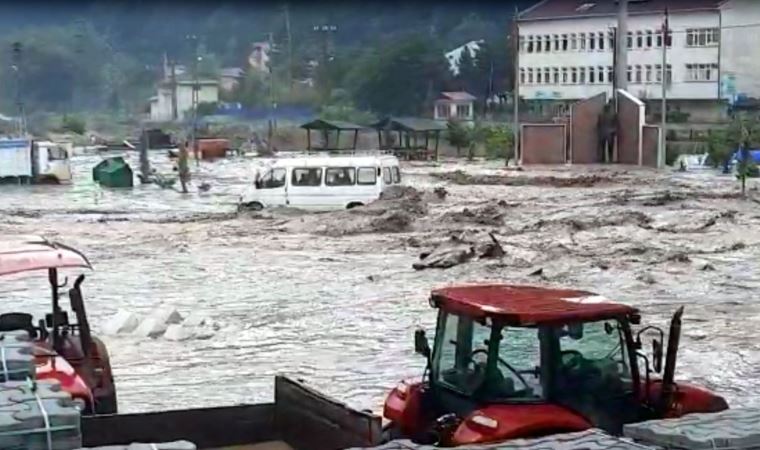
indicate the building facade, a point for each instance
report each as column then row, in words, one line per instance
column 567, row 51
column 161, row 108
column 455, row 106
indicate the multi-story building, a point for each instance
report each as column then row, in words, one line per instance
column 567, row 52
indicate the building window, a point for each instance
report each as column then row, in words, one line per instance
column 591, row 75
column 611, row 39
column 610, row 74
column 522, row 76
column 564, row 75
column 658, row 73
column 648, row 73
column 442, row 111
column 638, row 73
column 574, row 75
column 530, row 44
column 537, row 46
column 530, row 76
column 601, row 41
column 658, row 39
column 630, row 74
column 669, row 38
column 463, row 111
column 701, row 72
column 629, row 41
column 702, row 37
column 522, row 44
column 600, row 74
column 582, row 75
column 556, row 75
column 573, row 41
column 591, row 41
column 649, row 39
column 556, row 42
column 582, row 41
column 547, row 43
column 639, row 39
column 565, row 43
column 669, row 75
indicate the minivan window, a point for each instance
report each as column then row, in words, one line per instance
column 306, row 176
column 273, row 179
column 366, row 176
column 396, row 175
column 340, row 176
column 57, row 154
column 387, row 175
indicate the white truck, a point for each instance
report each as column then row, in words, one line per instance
column 26, row 161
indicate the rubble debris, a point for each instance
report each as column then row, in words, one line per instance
column 490, row 214
column 462, row 178
column 707, row 267
column 679, row 257
column 441, row 192
column 458, row 250
column 646, row 278
column 537, row 273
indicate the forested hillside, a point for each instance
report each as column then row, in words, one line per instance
column 381, row 56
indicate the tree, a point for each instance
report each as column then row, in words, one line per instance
column 397, row 79
column 457, row 135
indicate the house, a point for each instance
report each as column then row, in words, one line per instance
column 161, row 105
column 230, row 78
column 567, row 52
column 454, row 106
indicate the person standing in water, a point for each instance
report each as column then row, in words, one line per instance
column 184, row 169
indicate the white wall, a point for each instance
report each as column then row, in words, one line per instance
column 678, row 56
column 740, row 52
column 162, row 109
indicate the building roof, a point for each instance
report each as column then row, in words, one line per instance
column 565, row 9
column 459, row 96
column 528, row 305
column 321, row 124
column 409, row 124
column 232, row 72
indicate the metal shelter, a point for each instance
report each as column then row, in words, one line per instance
column 328, row 127
column 409, row 137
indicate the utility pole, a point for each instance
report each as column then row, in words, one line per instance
column 664, row 105
column 621, row 71
column 325, row 31
column 173, row 81
column 289, row 37
column 516, row 89
column 21, row 119
column 272, row 103
column 194, row 130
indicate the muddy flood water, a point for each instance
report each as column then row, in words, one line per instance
column 333, row 298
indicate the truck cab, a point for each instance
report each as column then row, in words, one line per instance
column 52, row 161
column 512, row 362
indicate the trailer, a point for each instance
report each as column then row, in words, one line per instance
column 28, row 161
column 299, row 418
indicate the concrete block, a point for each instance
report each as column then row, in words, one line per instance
column 195, row 319
column 584, row 440
column 121, row 322
column 151, row 327
column 166, row 315
column 733, row 428
column 178, row 332
column 16, row 356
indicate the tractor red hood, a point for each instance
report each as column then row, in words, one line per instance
column 500, row 422
column 53, row 366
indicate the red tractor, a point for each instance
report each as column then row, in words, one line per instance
column 64, row 350
column 515, row 362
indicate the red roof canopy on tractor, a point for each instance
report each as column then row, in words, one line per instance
column 25, row 253
column 527, row 305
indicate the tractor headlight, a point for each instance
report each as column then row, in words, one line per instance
column 80, row 404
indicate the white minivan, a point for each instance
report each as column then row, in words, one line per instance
column 320, row 182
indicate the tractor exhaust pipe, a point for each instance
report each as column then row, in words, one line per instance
column 668, row 376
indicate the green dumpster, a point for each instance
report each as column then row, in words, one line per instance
column 113, row 172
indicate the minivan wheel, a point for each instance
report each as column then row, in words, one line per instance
column 252, row 206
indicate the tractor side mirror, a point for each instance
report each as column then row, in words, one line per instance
column 656, row 355
column 421, row 345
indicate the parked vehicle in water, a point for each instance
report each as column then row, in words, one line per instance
column 27, row 161
column 65, row 350
column 321, row 182
column 513, row 362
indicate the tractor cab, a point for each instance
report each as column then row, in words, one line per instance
column 65, row 349
column 515, row 361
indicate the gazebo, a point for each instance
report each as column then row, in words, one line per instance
column 409, row 136
column 328, row 127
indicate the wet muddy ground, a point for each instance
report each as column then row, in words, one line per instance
column 333, row 298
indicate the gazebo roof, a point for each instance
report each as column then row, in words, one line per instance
column 409, row 124
column 321, row 124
